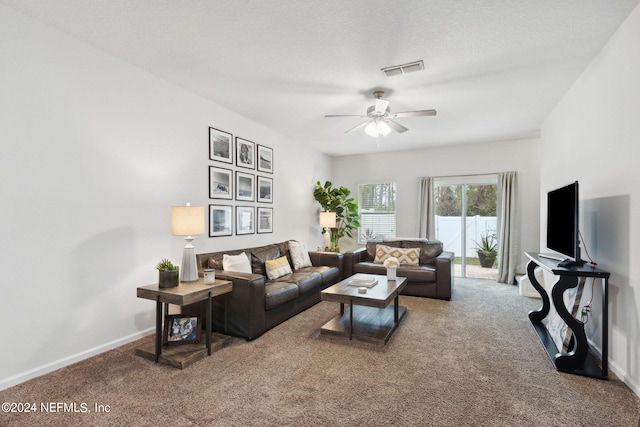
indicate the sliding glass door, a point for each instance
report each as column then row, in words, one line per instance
column 465, row 210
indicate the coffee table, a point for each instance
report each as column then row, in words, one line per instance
column 370, row 317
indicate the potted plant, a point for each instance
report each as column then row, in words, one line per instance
column 168, row 274
column 336, row 199
column 487, row 249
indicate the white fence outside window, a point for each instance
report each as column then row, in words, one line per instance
column 449, row 232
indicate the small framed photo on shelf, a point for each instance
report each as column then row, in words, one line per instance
column 220, row 220
column 245, row 153
column 245, row 186
column 265, row 159
column 265, row 189
column 265, row 220
column 181, row 329
column 220, row 145
column 245, row 220
column 220, row 183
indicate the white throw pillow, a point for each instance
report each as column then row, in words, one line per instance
column 299, row 255
column 238, row 263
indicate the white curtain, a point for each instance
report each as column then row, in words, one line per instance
column 508, row 247
column 426, row 214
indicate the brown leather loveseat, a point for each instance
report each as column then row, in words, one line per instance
column 432, row 277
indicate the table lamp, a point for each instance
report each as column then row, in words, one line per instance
column 187, row 221
column 327, row 221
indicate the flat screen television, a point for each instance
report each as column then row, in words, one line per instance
column 562, row 224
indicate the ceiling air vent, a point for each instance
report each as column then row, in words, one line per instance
column 403, row 69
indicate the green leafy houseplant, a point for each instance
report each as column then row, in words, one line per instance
column 487, row 249
column 168, row 274
column 338, row 200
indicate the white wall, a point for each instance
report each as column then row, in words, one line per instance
column 592, row 136
column 406, row 167
column 94, row 153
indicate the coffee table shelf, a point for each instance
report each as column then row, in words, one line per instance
column 369, row 323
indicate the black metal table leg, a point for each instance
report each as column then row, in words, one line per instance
column 158, row 328
column 395, row 310
column 209, row 326
column 351, row 320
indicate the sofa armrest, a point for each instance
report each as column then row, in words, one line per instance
column 353, row 257
column 444, row 263
column 329, row 259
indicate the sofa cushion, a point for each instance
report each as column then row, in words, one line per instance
column 307, row 281
column 238, row 263
column 278, row 293
column 299, row 255
column 277, row 267
column 428, row 250
column 330, row 275
column 372, row 247
column 262, row 254
column 405, row 256
column 412, row 273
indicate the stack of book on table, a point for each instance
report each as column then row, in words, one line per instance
column 363, row 281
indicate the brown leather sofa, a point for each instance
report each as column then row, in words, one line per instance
column 257, row 303
column 432, row 278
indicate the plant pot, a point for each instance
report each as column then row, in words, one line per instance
column 168, row 279
column 486, row 261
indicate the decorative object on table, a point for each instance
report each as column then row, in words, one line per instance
column 244, row 220
column 487, row 249
column 209, row 276
column 265, row 159
column 167, row 274
column 220, row 183
column 220, row 220
column 265, row 189
column 220, row 145
column 188, row 221
column 391, row 264
column 328, row 223
column 245, row 186
column 363, row 281
column 181, row 329
column 362, row 290
column 265, row 220
column 245, row 153
column 337, row 200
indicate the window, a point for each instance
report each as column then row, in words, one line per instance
column 377, row 203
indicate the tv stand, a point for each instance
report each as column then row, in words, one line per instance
column 578, row 360
column 568, row 263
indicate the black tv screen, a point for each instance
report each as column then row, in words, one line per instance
column 562, row 221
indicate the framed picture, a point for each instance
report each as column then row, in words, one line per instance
column 244, row 220
column 220, row 145
column 220, row 183
column 220, row 220
column 265, row 189
column 244, row 186
column 265, row 220
column 265, row 159
column 245, row 153
column 181, row 329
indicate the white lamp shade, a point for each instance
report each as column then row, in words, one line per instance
column 187, row 220
column 371, row 129
column 327, row 219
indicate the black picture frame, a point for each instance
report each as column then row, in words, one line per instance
column 220, row 145
column 245, row 220
column 220, row 183
column 181, row 329
column 264, row 189
column 264, row 159
column 245, row 186
column 220, row 220
column 265, row 220
column 245, row 153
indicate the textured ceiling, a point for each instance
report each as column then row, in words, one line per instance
column 494, row 69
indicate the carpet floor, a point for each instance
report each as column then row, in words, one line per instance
column 471, row 361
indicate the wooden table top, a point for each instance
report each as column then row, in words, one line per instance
column 380, row 295
column 185, row 293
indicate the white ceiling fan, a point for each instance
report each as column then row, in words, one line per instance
column 380, row 119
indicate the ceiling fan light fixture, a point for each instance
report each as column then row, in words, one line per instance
column 377, row 128
column 383, row 128
column 372, row 130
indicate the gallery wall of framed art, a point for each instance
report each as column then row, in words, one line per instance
column 240, row 185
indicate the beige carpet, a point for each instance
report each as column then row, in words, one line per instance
column 473, row 361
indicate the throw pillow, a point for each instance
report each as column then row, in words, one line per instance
column 277, row 267
column 406, row 256
column 299, row 255
column 238, row 263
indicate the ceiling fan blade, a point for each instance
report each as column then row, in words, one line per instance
column 346, row 115
column 381, row 106
column 414, row 113
column 396, row 126
column 358, row 126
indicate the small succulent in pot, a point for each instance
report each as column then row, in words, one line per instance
column 168, row 274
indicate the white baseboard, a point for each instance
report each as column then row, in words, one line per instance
column 61, row 363
column 620, row 373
